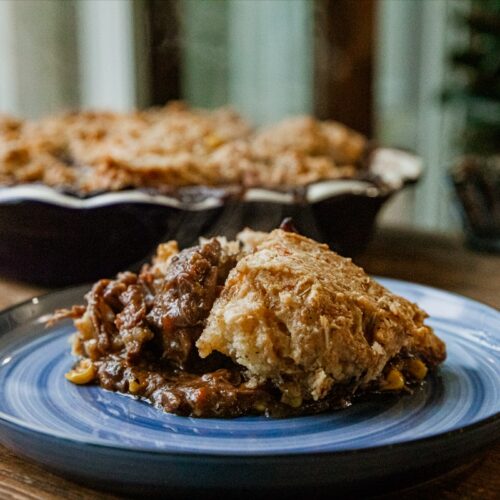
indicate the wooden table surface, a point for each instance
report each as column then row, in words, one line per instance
column 437, row 261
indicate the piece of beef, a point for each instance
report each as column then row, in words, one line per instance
column 126, row 314
column 131, row 322
column 191, row 285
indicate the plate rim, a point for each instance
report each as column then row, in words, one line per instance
column 464, row 431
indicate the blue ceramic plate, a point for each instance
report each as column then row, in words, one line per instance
column 110, row 440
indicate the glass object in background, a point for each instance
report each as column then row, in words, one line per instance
column 476, row 175
column 477, row 185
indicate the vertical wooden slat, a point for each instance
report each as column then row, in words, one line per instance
column 344, row 54
column 165, row 54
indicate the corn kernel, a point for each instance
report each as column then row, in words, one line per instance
column 134, row 386
column 293, row 401
column 85, row 327
column 394, row 381
column 291, row 395
column 416, row 368
column 213, row 141
column 83, row 373
column 259, row 406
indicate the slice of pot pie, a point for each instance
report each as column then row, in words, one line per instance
column 271, row 323
column 298, row 315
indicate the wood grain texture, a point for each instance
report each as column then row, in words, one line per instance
column 20, row 479
column 437, row 261
column 344, row 58
column 164, row 28
column 424, row 258
column 12, row 292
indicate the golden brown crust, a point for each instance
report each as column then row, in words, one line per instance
column 309, row 137
column 172, row 146
column 298, row 314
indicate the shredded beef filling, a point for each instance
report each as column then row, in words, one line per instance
column 191, row 285
column 139, row 332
